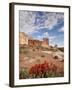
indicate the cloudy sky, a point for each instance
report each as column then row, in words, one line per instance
column 41, row 25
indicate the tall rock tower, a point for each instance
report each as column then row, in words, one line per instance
column 45, row 42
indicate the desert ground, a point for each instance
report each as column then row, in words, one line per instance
column 30, row 56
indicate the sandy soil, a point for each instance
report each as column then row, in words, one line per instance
column 35, row 57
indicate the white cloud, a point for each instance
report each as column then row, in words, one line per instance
column 27, row 21
column 52, row 40
column 52, row 37
column 47, row 20
column 46, row 35
column 51, row 20
column 39, row 37
column 61, row 29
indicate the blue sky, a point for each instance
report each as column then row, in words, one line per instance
column 40, row 24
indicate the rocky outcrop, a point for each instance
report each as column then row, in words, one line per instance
column 23, row 38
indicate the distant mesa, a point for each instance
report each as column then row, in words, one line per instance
column 27, row 40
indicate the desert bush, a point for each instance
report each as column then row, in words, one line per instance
column 42, row 55
column 55, row 57
column 62, row 60
column 61, row 49
column 23, row 74
column 25, row 52
column 33, row 49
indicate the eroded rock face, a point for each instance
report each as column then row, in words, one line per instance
column 26, row 40
column 34, row 43
column 45, row 42
column 23, row 38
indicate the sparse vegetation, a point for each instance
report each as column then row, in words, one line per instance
column 55, row 57
column 42, row 55
column 36, row 66
column 43, row 70
column 61, row 49
column 33, row 49
column 23, row 74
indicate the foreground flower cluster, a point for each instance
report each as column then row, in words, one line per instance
column 43, row 70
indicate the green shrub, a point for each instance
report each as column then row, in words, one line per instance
column 23, row 74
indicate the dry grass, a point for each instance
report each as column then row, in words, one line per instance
column 30, row 56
